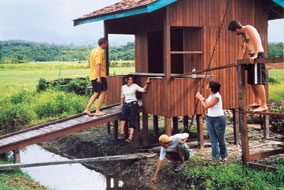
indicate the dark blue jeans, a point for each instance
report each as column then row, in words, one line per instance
column 216, row 127
column 129, row 110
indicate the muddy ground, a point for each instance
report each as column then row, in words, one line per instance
column 95, row 142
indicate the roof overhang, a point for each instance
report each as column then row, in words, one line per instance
column 275, row 9
column 129, row 12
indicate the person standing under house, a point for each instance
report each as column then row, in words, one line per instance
column 256, row 72
column 98, row 77
column 216, row 122
column 175, row 149
column 129, row 104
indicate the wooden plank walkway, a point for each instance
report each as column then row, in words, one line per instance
column 136, row 156
column 51, row 130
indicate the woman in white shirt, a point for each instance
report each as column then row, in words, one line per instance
column 216, row 122
column 129, row 104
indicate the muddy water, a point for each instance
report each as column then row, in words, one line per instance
column 67, row 176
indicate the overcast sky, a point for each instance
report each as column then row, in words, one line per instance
column 51, row 21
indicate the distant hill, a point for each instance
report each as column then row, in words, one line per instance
column 17, row 51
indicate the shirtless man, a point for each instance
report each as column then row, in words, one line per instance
column 256, row 72
column 98, row 77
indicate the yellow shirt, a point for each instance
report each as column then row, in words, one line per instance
column 97, row 57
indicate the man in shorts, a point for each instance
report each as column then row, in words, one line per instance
column 98, row 77
column 256, row 72
column 175, row 149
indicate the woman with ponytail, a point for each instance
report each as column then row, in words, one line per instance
column 216, row 122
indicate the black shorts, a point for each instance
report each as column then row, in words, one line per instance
column 257, row 71
column 99, row 87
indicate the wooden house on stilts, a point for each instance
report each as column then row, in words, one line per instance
column 174, row 36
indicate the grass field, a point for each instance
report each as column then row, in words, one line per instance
column 15, row 77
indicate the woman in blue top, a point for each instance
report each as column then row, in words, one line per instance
column 216, row 122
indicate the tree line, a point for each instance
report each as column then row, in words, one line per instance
column 18, row 51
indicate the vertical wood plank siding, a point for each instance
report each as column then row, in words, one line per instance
column 208, row 15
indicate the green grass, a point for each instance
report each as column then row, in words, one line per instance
column 199, row 175
column 16, row 180
column 276, row 90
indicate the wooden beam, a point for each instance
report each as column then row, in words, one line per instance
column 266, row 154
column 17, row 158
column 236, row 126
column 108, row 128
column 243, row 115
column 275, row 66
column 107, row 49
column 136, row 131
column 261, row 167
column 145, row 129
column 156, row 125
column 261, row 60
column 266, row 126
column 82, row 160
column 199, row 121
column 175, row 125
column 168, row 126
column 115, row 130
column 263, row 113
column 185, row 121
column 186, row 52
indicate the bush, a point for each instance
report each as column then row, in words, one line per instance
column 23, row 96
column 57, row 104
column 77, row 86
column 42, row 85
column 273, row 80
column 15, row 116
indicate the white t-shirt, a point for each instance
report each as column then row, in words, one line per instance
column 173, row 147
column 129, row 92
column 216, row 110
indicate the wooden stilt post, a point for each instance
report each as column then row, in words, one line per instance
column 242, row 113
column 108, row 128
column 145, row 130
column 17, row 158
column 168, row 126
column 136, row 131
column 108, row 182
column 138, row 122
column 156, row 125
column 266, row 126
column 185, row 121
column 199, row 122
column 236, row 126
column 126, row 128
column 175, row 125
column 115, row 183
column 115, row 129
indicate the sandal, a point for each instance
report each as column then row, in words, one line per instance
column 121, row 136
column 179, row 168
column 214, row 163
column 128, row 140
column 173, row 166
column 223, row 160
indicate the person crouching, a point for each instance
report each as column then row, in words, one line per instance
column 174, row 149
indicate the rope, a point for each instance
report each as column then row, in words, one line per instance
column 208, row 66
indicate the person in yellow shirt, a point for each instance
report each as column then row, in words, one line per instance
column 98, row 77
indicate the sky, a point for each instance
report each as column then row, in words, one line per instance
column 51, row 21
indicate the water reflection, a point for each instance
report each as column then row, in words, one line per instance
column 67, row 176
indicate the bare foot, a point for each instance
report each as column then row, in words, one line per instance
column 88, row 113
column 260, row 109
column 100, row 113
column 254, row 105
